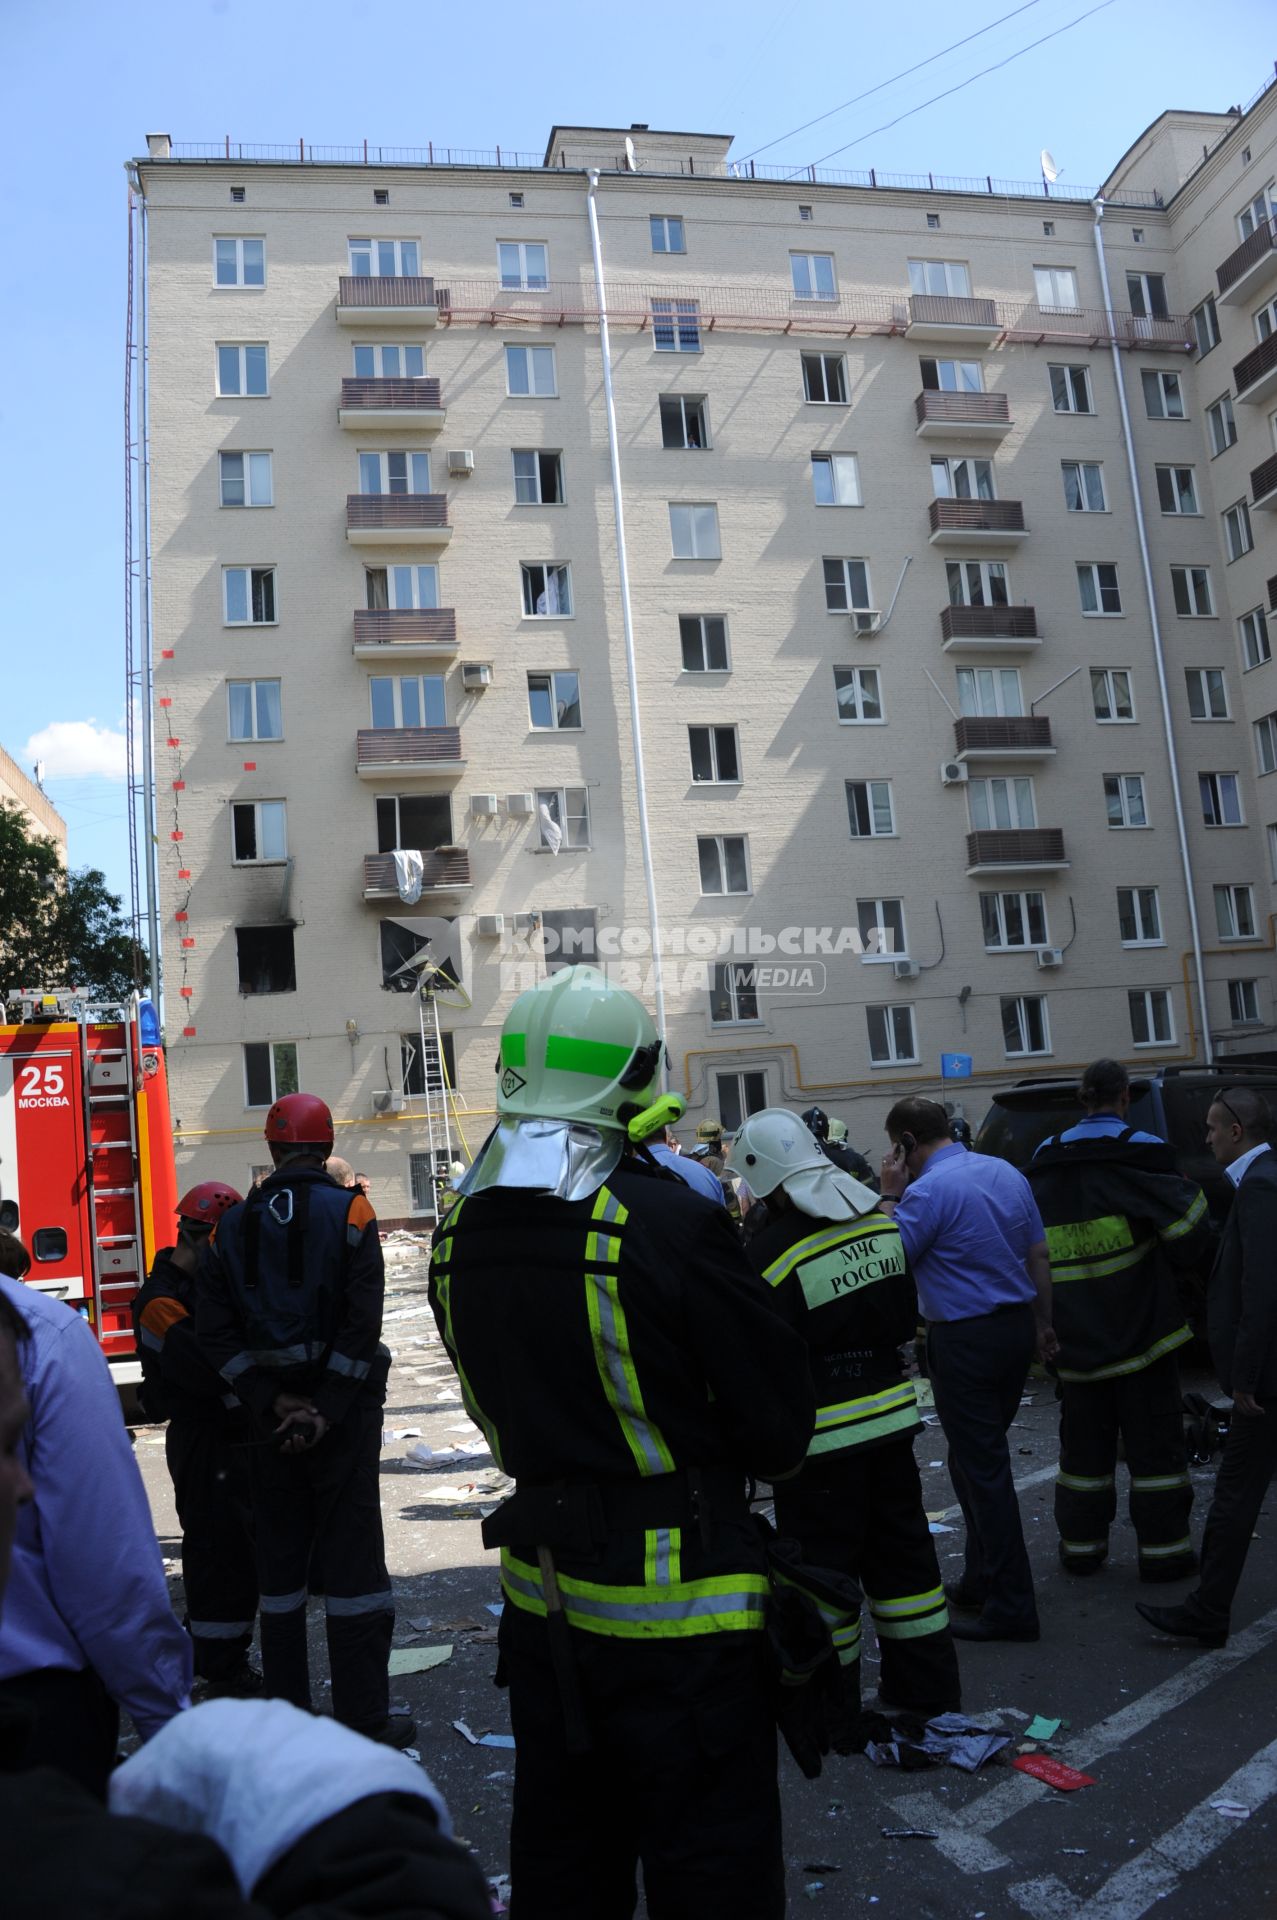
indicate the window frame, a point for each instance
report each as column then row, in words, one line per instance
column 254, row 738
column 1069, row 279
column 719, row 842
column 537, row 455
column 854, row 680
column 1187, row 583
column 666, row 403
column 878, row 943
column 846, row 561
column 955, row 270
column 1206, row 308
column 241, row 349
column 712, row 729
column 811, row 265
column 727, row 983
column 1122, row 796
column 1265, row 734
column 552, row 675
column 1147, row 996
column 1221, row 409
column 1236, row 519
column 701, row 619
column 1022, row 1002
column 559, row 797
column 1168, row 382
column 254, row 807
column 271, row 1047
column 1176, row 470
column 1096, row 569
column 1244, row 995
column 1081, row 468
column 391, row 572
column 239, row 284
column 265, row 573
column 892, row 1015
column 695, row 526
column 1202, row 677
column 546, row 568
column 665, row 221
column 1110, row 676
column 1022, row 896
column 1071, row 370
column 386, row 488
column 1136, row 914
column 810, row 359
column 526, row 282
column 1221, row 825
column 676, row 324
column 1016, row 788
column 531, row 349
column 428, row 685
column 265, row 934
column 987, row 571
column 379, row 349
column 246, row 457
column 837, row 463
column 873, row 802
column 740, row 1095
column 1258, row 631
column 1237, row 897
column 374, row 243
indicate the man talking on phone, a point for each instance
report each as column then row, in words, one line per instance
column 975, row 1241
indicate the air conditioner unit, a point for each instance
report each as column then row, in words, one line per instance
column 866, row 619
column 483, row 804
column 522, row 805
column 386, row 1102
column 474, row 674
column 1050, row 956
column 526, row 923
column 490, row 926
column 905, row 969
column 461, row 460
column 953, row 773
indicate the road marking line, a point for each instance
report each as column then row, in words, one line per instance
column 1156, row 1873
column 1029, row 1480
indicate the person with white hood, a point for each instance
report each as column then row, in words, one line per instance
column 838, row 1272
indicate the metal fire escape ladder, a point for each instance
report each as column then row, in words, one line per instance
column 109, row 1083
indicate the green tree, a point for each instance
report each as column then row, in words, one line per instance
column 59, row 929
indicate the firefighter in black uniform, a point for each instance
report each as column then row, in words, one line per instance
column 838, row 1271
column 628, row 1371
column 204, row 1448
column 840, row 1153
column 289, row 1308
column 1120, row 1222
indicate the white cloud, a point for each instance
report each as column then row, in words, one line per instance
column 71, row 749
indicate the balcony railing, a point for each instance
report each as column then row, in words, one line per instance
column 1263, row 482
column 1017, row 847
column 989, row 623
column 396, row 510
column 411, row 394
column 408, row 747
column 1260, row 364
column 442, row 872
column 977, row 516
column 389, row 290
column 1255, row 248
column 962, row 409
column 399, row 626
column 952, row 310
column 1272, row 594
column 995, row 733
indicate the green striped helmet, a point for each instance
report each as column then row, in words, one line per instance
column 577, row 1048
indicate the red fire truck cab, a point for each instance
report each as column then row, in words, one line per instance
column 86, row 1154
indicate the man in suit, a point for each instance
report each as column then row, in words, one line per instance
column 1242, row 1320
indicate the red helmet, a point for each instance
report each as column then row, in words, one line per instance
column 300, row 1120
column 207, row 1202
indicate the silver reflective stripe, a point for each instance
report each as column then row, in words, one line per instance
column 230, row 1400
column 352, row 1369
column 152, row 1340
column 219, row 1629
column 240, row 1364
column 283, row 1602
column 339, row 1609
column 632, row 1416
column 272, row 1358
column 662, row 1556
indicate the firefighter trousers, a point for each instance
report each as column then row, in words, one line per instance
column 219, row 1569
column 1145, row 1409
column 680, row 1778
column 317, row 1520
column 861, row 1512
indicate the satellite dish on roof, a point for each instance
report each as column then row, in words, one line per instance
column 630, row 160
column 1050, row 172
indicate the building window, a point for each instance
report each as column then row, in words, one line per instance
column 1265, row 320
column 813, row 276
column 857, row 693
column 804, row 212
column 265, row 959
column 1048, row 229
column 715, row 755
column 426, row 1072
column 676, row 326
column 270, row 1071
column 516, row 200
column 683, row 422
column 1266, row 743
column 1097, row 588
column 694, row 532
column 1013, row 919
column 733, row 998
column 977, row 583
column 703, row 638
column 388, row 360
column 739, row 1095
column 1220, row 795
column 1002, row 803
column 408, row 700
column 1163, row 395
column 1272, row 851
column 1024, row 1024
column 554, row 701
column 547, row 590
column 667, row 233
column 882, row 929
column 1137, row 236
column 892, row 1040
column 426, row 1182
column 836, row 479
column 1190, row 587
column 254, row 710
column 940, row 276
column 846, row 585
column 1243, row 1002
column 869, row 809
column 241, row 370
column 1055, row 288
column 258, row 833
column 524, row 265
column 933, row 221
column 1139, row 918
column 399, row 589
column 1071, row 389
column 244, row 480
column 530, row 370
column 381, row 196
column 825, row 379
column 1084, row 486
column 568, row 936
column 1207, row 693
column 724, row 863
column 397, row 473
column 1205, row 326
column 1124, row 800
column 538, row 477
column 1258, row 211
column 248, row 596
column 1146, row 293
column 1177, row 490
column 992, row 691
column 1151, row 1022
column 1235, row 912
column 952, row 376
column 1111, row 694
column 1238, row 537
column 421, row 820
column 563, row 817
column 962, row 479
column 1223, row 427
column 384, row 259
column 1253, row 628
column 239, row 262
column 238, row 196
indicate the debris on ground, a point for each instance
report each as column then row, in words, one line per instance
column 1040, row 1728
column 418, row 1659
column 1231, row 1809
column 901, row 1740
column 1053, row 1772
column 909, row 1833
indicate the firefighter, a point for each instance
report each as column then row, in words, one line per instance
column 289, row 1308
column 1120, row 1222
column 204, row 1447
column 840, row 1151
column 628, row 1371
column 838, row 1272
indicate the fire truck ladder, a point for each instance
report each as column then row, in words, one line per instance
column 109, row 1085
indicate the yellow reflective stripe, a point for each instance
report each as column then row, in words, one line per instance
column 608, row 1207
column 1084, row 1546
column 909, row 1603
column 610, row 1338
column 1187, row 1221
column 1101, row 1269
column 861, row 1431
column 443, row 1288
column 603, row 1247
column 826, row 1241
column 676, row 1556
column 1167, row 1344
column 1167, row 1552
column 722, row 1603
column 869, row 1403
column 913, row 1629
column 1076, row 1483
column 1159, row 1482
column 1094, row 1239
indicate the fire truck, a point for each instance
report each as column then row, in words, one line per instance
column 86, row 1154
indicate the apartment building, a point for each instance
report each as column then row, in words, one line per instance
column 37, row 809
column 949, row 580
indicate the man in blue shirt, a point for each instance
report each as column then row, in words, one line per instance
column 700, row 1178
column 977, row 1247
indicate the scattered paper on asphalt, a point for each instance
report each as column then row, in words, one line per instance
column 1040, row 1728
column 938, row 1526
column 1231, row 1809
column 418, row 1659
column 1053, row 1772
column 465, row 1732
column 496, row 1740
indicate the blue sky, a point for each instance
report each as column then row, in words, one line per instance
column 87, row 82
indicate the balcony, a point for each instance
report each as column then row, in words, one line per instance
column 413, row 405
column 1272, row 594
column 446, row 870
column 407, row 633
column 397, row 519
column 1016, row 849
column 389, row 301
column 1255, row 375
column 1263, row 484
column 969, row 416
column 989, row 629
column 946, row 316
column 409, row 753
column 998, row 737
column 982, row 523
column 1249, row 267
